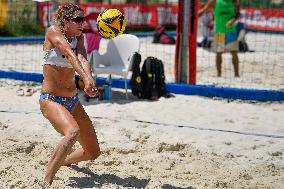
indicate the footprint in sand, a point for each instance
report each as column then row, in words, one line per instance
column 142, row 126
column 3, row 126
column 229, row 121
column 126, row 151
column 245, row 176
column 170, row 147
column 273, row 169
column 13, row 140
column 27, row 149
column 220, row 184
column 141, row 138
column 229, row 156
column 126, row 132
column 228, row 143
column 277, row 153
column 111, row 163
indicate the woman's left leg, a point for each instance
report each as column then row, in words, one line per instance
column 235, row 61
column 88, row 139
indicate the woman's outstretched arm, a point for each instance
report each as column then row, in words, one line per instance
column 57, row 39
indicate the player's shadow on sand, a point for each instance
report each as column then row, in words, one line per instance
column 95, row 180
column 168, row 186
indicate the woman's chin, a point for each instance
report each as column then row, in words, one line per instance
column 78, row 33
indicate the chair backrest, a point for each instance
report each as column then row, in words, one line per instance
column 120, row 49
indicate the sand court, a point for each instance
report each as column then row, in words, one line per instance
column 180, row 142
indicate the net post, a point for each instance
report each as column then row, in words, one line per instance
column 192, row 41
column 185, row 57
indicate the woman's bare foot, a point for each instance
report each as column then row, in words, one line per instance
column 47, row 180
column 42, row 183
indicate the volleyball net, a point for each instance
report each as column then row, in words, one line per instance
column 261, row 64
column 260, row 31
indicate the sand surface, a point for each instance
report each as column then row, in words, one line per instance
column 182, row 142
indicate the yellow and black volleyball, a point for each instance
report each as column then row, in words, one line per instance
column 111, row 23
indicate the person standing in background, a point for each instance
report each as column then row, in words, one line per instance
column 226, row 12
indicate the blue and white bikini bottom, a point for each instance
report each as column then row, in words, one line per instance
column 68, row 102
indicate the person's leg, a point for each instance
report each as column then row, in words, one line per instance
column 88, row 139
column 235, row 61
column 219, row 63
column 64, row 123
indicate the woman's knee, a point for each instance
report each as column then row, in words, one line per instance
column 73, row 133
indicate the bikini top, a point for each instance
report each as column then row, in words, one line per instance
column 55, row 57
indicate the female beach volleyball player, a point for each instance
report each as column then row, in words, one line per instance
column 64, row 53
column 226, row 12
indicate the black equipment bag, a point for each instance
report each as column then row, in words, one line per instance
column 135, row 81
column 153, row 79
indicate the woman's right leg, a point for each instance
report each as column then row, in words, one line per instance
column 88, row 139
column 64, row 123
column 219, row 63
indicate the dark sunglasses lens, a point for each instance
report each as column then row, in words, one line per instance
column 78, row 19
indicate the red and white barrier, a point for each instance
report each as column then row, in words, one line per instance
column 138, row 15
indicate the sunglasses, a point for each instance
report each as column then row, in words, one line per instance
column 78, row 19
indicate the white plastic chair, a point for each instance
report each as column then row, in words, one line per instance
column 117, row 58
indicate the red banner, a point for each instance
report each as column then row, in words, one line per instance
column 138, row 15
column 263, row 19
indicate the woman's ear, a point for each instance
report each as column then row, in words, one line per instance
column 66, row 25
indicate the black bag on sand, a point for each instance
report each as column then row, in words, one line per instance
column 243, row 46
column 153, row 79
column 135, row 81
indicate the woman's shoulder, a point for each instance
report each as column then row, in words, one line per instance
column 53, row 29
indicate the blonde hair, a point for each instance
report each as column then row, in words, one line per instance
column 66, row 12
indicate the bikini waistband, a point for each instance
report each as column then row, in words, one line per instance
column 53, row 97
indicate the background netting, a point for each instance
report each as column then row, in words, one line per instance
column 260, row 68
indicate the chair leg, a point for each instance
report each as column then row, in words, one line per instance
column 126, row 94
column 109, row 78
